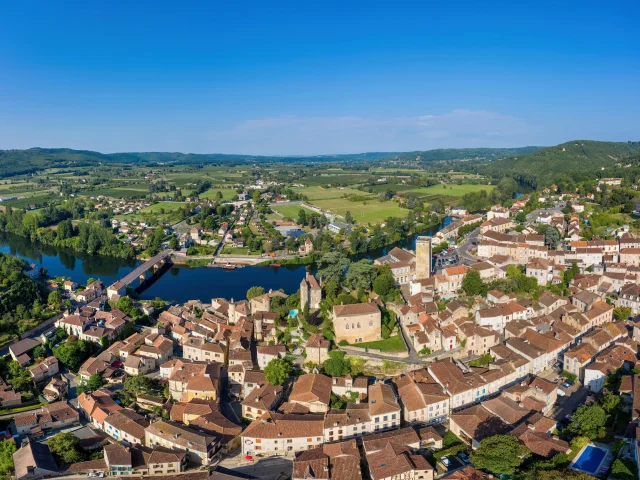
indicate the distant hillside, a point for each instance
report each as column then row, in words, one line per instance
column 576, row 159
column 17, row 162
column 450, row 154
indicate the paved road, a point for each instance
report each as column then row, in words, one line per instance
column 274, row 468
column 72, row 395
column 576, row 396
column 465, row 247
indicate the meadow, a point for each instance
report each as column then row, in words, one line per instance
column 227, row 193
column 449, row 189
column 290, row 211
column 369, row 211
column 322, row 193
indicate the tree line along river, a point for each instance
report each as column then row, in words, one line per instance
column 179, row 284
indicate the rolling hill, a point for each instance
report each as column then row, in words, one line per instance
column 576, row 159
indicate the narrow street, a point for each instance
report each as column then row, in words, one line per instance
column 466, row 246
column 274, row 468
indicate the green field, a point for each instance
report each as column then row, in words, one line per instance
column 289, row 211
column 320, row 193
column 161, row 212
column 391, row 344
column 450, row 190
column 370, row 211
column 227, row 193
column 335, row 179
column 132, row 191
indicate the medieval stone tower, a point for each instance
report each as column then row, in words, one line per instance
column 423, row 258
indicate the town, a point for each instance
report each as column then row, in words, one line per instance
column 504, row 342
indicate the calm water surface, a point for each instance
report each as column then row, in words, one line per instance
column 178, row 284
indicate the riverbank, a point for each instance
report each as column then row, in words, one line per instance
column 189, row 278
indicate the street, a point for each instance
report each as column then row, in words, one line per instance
column 467, row 244
column 568, row 404
column 274, row 468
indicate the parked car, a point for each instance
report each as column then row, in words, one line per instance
column 561, row 393
column 445, row 461
column 464, row 457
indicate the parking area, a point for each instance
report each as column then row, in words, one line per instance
column 445, row 259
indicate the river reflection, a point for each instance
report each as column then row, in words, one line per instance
column 179, row 284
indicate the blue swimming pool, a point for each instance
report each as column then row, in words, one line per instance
column 590, row 459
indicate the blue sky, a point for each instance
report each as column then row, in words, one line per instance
column 317, row 77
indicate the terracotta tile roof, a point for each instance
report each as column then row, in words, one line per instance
column 276, row 425
column 317, row 341
column 540, row 443
column 395, row 461
column 477, row 422
column 117, row 455
column 292, row 407
column 129, row 422
column 582, row 352
column 382, row 399
column 355, row 309
column 352, row 415
column 311, row 387
column 508, row 410
column 401, row 436
column 182, row 435
column 263, row 397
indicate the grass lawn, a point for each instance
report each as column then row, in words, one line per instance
column 238, row 251
column 289, row 211
column 371, row 211
column 392, row 344
column 166, row 206
column 227, row 193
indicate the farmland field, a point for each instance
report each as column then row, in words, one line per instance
column 289, row 210
column 119, row 192
column 227, row 193
column 373, row 211
column 337, row 178
column 321, row 193
column 450, row 190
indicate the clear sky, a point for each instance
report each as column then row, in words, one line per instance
column 316, row 77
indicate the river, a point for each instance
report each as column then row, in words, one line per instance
column 178, row 284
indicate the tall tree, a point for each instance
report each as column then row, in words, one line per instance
column 500, row 454
column 588, row 421
column 255, row 292
column 472, row 283
column 277, row 371
column 361, row 274
column 332, row 266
